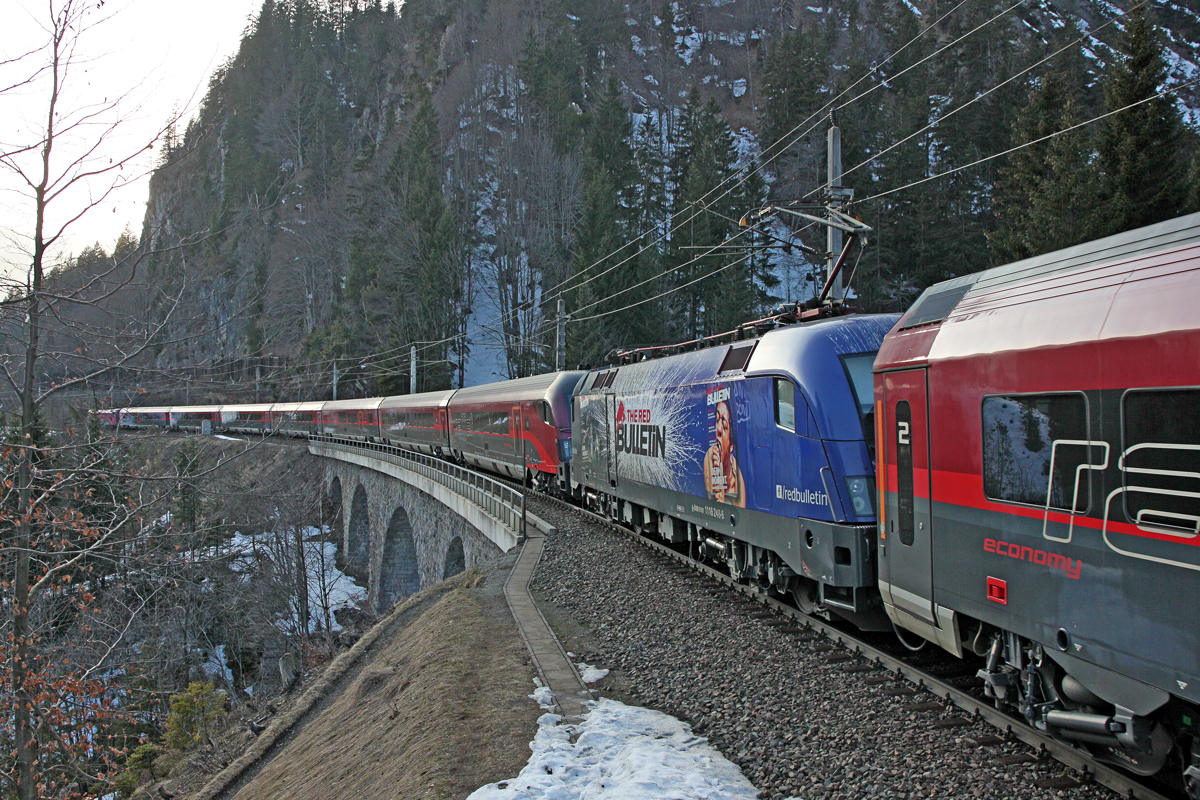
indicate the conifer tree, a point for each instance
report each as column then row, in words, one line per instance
column 1142, row 149
column 794, row 92
column 607, row 223
column 906, row 218
column 429, row 271
column 549, row 69
column 704, row 164
column 1048, row 195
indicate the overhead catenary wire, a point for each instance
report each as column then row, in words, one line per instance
column 931, row 125
column 940, row 120
column 1039, row 140
column 717, row 271
column 784, row 142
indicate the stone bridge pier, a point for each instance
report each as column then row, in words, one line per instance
column 397, row 538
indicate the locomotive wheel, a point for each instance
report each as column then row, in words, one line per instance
column 805, row 593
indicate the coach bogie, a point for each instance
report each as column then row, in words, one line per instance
column 1023, row 675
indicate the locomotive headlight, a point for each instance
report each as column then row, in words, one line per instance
column 861, row 499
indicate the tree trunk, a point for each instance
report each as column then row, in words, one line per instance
column 21, row 673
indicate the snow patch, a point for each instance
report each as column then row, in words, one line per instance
column 688, row 46
column 543, row 697
column 621, row 752
column 590, row 674
column 215, row 669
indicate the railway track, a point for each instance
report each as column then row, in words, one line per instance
column 896, row 674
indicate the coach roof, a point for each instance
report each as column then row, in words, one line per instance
column 1138, row 283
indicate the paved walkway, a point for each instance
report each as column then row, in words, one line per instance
column 551, row 660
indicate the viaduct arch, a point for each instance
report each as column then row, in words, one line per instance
column 397, row 539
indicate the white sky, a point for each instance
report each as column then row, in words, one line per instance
column 157, row 55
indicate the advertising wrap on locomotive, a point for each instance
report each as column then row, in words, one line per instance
column 754, row 453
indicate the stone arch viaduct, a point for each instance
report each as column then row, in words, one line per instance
column 410, row 521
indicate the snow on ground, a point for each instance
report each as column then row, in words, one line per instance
column 620, row 752
column 543, row 697
column 590, row 674
column 329, row 589
column 215, row 667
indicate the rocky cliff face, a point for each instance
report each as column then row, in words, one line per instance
column 361, row 177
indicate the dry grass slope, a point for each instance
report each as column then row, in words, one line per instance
column 439, row 710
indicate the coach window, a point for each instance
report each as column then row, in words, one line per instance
column 785, row 404
column 1160, row 440
column 1033, row 447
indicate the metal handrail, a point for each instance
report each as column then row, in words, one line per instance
column 492, row 496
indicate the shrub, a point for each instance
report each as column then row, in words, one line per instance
column 139, row 761
column 194, row 715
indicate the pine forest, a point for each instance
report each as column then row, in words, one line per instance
column 361, row 178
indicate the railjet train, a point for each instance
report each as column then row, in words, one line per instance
column 1011, row 469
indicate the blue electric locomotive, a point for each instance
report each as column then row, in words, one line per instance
column 756, row 454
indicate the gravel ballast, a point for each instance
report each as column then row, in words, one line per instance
column 780, row 705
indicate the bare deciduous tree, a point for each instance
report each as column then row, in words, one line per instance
column 65, row 168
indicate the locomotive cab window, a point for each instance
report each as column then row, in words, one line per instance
column 862, row 384
column 785, row 404
column 1160, row 462
column 1033, row 448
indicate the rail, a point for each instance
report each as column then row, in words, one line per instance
column 495, row 498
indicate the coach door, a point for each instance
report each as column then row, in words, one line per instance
column 908, row 535
column 514, row 427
